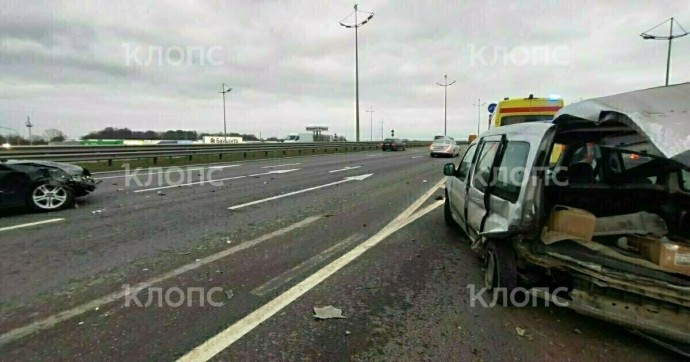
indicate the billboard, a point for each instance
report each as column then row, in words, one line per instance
column 220, row 140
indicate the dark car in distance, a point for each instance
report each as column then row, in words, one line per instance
column 393, row 144
column 42, row 185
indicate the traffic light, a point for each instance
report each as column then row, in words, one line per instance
column 392, row 133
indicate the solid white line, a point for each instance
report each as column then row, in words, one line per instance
column 191, row 183
column 224, row 339
column 30, row 224
column 51, row 321
column 347, row 168
column 287, row 276
column 347, row 179
column 287, row 164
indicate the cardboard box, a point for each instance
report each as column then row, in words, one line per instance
column 571, row 221
column 673, row 255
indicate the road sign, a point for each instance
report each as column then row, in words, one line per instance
column 492, row 107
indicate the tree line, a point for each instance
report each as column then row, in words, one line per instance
column 49, row 135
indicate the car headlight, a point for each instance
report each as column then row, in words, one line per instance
column 77, row 178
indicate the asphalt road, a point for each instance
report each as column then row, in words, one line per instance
column 362, row 232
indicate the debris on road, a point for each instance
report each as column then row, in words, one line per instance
column 439, row 197
column 577, row 331
column 229, row 294
column 99, row 211
column 347, row 333
column 160, row 193
column 328, row 312
column 424, row 181
column 520, row 331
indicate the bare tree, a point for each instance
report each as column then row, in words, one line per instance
column 54, row 135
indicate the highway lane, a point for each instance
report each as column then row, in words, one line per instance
column 93, row 252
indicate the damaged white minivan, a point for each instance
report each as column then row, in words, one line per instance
column 609, row 221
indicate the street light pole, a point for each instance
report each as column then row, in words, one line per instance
column 356, row 25
column 670, row 38
column 445, row 86
column 371, row 123
column 381, row 122
column 479, row 114
column 29, row 126
column 225, row 128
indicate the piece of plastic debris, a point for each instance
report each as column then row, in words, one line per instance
column 520, row 331
column 328, row 312
column 229, row 294
column 146, row 269
column 347, row 333
column 198, row 260
column 228, row 241
column 80, row 323
column 97, row 211
column 423, row 181
column 577, row 331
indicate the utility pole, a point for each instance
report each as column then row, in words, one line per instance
column 371, row 123
column 225, row 127
column 479, row 114
column 670, row 38
column 445, row 86
column 356, row 25
column 29, row 126
column 381, row 122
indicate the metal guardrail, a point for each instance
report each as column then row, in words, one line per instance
column 109, row 153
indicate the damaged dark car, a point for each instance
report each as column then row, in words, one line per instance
column 42, row 185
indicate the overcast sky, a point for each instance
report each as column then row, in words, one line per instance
column 84, row 65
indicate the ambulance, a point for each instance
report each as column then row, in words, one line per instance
column 530, row 109
column 521, row 110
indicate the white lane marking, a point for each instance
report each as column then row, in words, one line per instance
column 222, row 167
column 191, row 183
column 214, row 180
column 224, row 339
column 374, row 155
column 31, row 224
column 134, row 174
column 275, row 171
column 287, row 276
column 283, row 165
column 345, row 169
column 51, row 321
column 347, row 179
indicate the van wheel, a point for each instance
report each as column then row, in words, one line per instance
column 500, row 273
column 447, row 215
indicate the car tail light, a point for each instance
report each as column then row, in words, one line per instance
column 634, row 156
